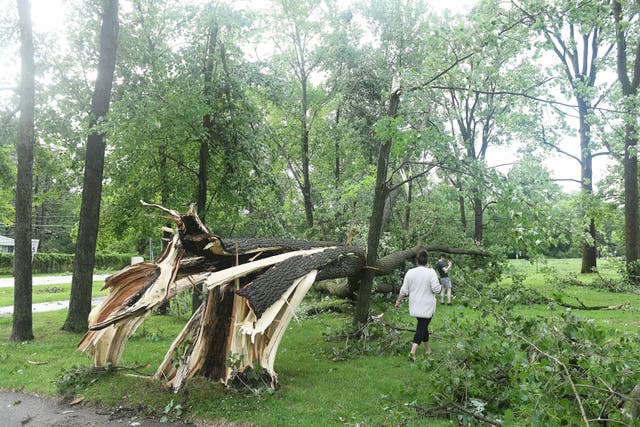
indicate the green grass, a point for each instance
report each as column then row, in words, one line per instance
column 48, row 293
column 541, row 278
column 375, row 390
column 315, row 389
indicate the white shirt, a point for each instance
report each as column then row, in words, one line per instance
column 421, row 284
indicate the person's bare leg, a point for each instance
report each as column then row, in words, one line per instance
column 427, row 347
column 414, row 348
column 449, row 295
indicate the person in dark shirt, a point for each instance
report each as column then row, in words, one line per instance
column 443, row 265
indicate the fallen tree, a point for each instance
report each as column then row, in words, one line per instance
column 254, row 287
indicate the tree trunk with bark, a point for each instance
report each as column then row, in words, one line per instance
column 589, row 250
column 84, row 260
column 22, row 329
column 255, row 286
column 207, row 126
column 376, row 220
column 478, row 217
column 630, row 160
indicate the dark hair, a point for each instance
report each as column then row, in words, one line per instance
column 422, row 258
column 443, row 255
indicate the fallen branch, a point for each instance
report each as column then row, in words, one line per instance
column 554, row 359
column 475, row 414
column 582, row 306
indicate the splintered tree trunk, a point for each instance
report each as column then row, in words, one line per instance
column 216, row 326
column 254, row 287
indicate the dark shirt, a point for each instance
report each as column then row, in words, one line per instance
column 440, row 265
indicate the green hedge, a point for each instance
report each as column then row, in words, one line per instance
column 47, row 263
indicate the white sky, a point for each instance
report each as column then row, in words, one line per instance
column 48, row 16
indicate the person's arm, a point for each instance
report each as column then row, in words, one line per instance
column 404, row 291
column 399, row 300
column 446, row 269
column 436, row 287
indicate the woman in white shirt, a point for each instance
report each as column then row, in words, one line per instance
column 421, row 284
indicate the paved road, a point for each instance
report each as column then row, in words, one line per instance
column 47, row 306
column 26, row 410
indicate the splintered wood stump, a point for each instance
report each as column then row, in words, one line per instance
column 255, row 286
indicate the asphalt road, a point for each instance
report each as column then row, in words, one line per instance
column 26, row 410
column 7, row 282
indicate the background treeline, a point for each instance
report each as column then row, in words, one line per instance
column 270, row 119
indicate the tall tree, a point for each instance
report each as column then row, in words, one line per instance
column 477, row 100
column 84, row 260
column 628, row 67
column 376, row 223
column 22, row 318
column 575, row 33
column 296, row 38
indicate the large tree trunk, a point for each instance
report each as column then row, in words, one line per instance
column 207, row 125
column 589, row 251
column 22, row 329
column 306, row 179
column 630, row 159
column 84, row 260
column 381, row 191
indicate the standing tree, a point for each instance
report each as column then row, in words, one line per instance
column 628, row 67
column 84, row 260
column 296, row 42
column 22, row 317
column 376, row 223
column 477, row 99
column 575, row 33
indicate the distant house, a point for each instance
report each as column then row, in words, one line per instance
column 6, row 244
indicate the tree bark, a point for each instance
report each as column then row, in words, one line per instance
column 22, row 329
column 589, row 250
column 303, row 76
column 381, row 191
column 84, row 261
column 630, row 159
column 478, row 217
column 207, row 125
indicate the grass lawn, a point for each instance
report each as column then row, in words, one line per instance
column 317, row 388
column 541, row 277
column 375, row 390
column 48, row 293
